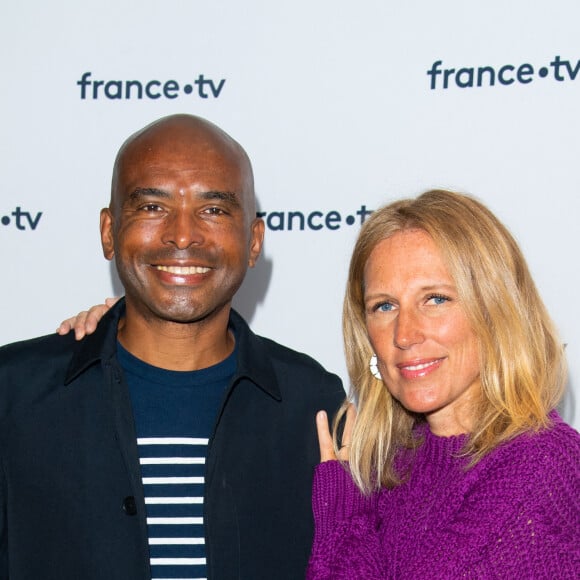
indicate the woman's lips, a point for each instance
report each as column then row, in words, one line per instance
column 419, row 368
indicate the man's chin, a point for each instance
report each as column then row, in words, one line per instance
column 187, row 315
column 175, row 307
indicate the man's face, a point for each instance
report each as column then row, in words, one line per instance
column 181, row 227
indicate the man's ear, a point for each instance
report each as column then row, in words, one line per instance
column 256, row 241
column 107, row 233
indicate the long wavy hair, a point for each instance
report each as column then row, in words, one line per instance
column 523, row 368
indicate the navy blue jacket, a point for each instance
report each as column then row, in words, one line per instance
column 71, row 498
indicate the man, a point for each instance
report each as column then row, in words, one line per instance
column 172, row 442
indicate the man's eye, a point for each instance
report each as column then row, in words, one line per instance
column 214, row 211
column 148, row 207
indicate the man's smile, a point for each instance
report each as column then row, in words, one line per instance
column 183, row 270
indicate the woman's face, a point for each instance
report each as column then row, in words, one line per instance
column 427, row 352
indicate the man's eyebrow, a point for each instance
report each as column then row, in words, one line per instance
column 141, row 192
column 227, row 196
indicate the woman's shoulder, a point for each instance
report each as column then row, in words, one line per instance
column 546, row 460
column 558, row 441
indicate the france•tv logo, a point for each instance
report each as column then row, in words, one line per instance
column 23, row 220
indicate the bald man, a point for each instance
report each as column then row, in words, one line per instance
column 173, row 442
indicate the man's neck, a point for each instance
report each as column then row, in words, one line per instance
column 177, row 346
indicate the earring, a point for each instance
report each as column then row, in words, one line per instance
column 374, row 368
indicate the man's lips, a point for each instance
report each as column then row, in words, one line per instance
column 175, row 275
column 182, row 270
column 419, row 368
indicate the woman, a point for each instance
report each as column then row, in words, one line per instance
column 457, row 464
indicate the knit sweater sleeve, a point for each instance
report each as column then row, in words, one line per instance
column 346, row 542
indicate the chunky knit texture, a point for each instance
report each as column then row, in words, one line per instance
column 516, row 514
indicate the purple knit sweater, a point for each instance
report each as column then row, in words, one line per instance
column 516, row 514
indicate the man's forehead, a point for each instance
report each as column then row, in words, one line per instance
column 184, row 173
column 162, row 155
column 208, row 182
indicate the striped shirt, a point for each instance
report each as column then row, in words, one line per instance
column 174, row 415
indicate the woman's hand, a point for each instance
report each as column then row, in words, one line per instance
column 325, row 438
column 85, row 322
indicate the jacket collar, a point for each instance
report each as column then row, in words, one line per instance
column 101, row 345
column 253, row 355
column 254, row 358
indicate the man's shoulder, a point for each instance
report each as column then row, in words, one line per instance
column 29, row 351
column 285, row 355
column 303, row 383
column 32, row 368
column 294, row 374
column 301, row 374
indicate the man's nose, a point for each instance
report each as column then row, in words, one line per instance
column 183, row 229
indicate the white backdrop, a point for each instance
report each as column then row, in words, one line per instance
column 333, row 103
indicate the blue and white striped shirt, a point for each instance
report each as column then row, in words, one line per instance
column 174, row 415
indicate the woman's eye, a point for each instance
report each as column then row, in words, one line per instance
column 384, row 307
column 438, row 299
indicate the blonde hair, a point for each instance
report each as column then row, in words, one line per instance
column 523, row 369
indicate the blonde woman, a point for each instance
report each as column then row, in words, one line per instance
column 455, row 463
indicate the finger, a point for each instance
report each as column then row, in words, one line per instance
column 86, row 322
column 71, row 324
column 111, row 301
column 93, row 316
column 65, row 326
column 324, row 437
column 79, row 323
